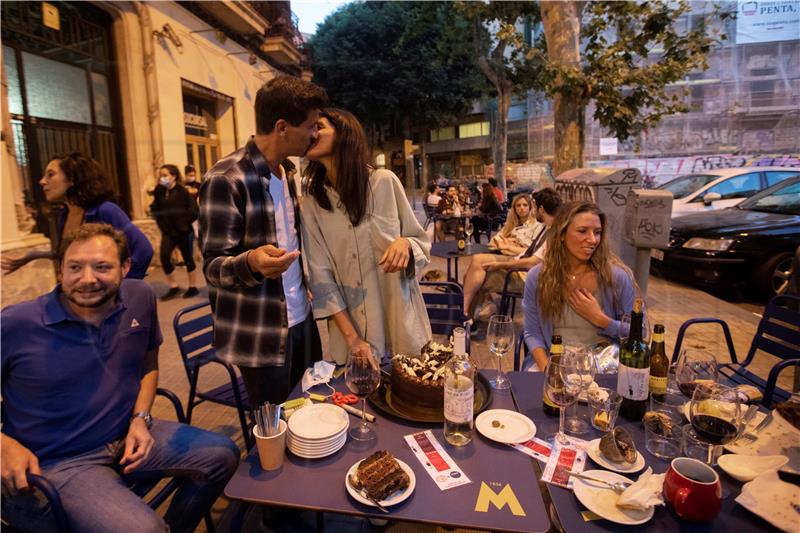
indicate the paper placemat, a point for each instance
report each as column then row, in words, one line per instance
column 436, row 461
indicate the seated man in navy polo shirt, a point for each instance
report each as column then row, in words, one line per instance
column 79, row 375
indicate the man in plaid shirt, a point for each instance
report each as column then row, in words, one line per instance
column 250, row 238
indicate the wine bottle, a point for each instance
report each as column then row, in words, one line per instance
column 460, row 235
column 634, row 369
column 459, row 393
column 556, row 349
column 659, row 364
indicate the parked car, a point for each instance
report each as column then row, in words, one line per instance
column 725, row 187
column 749, row 245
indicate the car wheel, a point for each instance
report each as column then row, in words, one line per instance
column 773, row 277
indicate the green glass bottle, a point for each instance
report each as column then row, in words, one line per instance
column 556, row 349
column 634, row 369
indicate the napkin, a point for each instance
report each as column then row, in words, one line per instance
column 772, row 499
column 644, row 493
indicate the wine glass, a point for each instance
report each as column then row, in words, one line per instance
column 695, row 367
column 469, row 228
column 562, row 386
column 500, row 335
column 362, row 376
column 583, row 359
column 716, row 415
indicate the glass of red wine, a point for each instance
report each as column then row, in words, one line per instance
column 695, row 367
column 362, row 376
column 715, row 413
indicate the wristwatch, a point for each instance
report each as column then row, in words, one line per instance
column 146, row 416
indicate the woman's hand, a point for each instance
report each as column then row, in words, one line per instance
column 396, row 256
column 587, row 307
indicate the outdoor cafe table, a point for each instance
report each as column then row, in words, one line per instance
column 527, row 389
column 449, row 250
column 319, row 484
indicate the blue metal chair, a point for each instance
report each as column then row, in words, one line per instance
column 520, row 352
column 508, row 297
column 194, row 330
column 445, row 306
column 778, row 334
column 141, row 489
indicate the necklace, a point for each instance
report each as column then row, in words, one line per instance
column 574, row 277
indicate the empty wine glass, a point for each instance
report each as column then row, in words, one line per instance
column 500, row 335
column 695, row 367
column 469, row 228
column 362, row 376
column 584, row 362
column 562, row 386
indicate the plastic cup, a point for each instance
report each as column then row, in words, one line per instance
column 605, row 408
column 272, row 449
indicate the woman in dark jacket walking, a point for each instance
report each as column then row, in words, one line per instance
column 174, row 210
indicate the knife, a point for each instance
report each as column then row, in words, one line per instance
column 753, row 435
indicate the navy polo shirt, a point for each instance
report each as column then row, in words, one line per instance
column 69, row 387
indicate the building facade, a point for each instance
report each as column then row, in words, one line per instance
column 135, row 85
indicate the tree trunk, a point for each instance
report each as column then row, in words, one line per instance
column 500, row 146
column 562, row 33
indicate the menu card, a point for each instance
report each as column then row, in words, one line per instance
column 436, row 461
column 536, row 448
column 562, row 461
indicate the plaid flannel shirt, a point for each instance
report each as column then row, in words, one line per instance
column 237, row 215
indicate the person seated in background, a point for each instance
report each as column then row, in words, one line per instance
column 434, row 195
column 581, row 290
column 497, row 192
column 449, row 206
column 80, row 183
column 79, row 375
column 487, row 272
column 488, row 207
column 519, row 230
column 464, row 196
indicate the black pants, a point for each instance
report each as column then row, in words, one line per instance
column 274, row 383
column 184, row 244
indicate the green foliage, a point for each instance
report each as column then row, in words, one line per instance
column 409, row 62
column 632, row 52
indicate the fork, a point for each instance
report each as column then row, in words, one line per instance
column 363, row 492
column 617, row 486
column 753, row 435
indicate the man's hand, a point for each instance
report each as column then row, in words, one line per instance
column 270, row 261
column 584, row 303
column 138, row 444
column 362, row 352
column 396, row 255
column 17, row 461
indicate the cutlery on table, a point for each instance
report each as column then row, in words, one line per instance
column 363, row 492
column 617, row 486
column 753, row 435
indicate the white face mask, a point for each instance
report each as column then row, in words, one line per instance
column 166, row 182
column 319, row 374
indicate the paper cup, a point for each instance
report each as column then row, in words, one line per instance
column 271, row 450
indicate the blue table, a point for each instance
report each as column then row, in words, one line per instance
column 449, row 250
column 320, row 484
column 527, row 391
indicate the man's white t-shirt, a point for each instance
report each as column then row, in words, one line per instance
column 293, row 289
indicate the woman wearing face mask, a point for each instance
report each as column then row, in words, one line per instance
column 174, row 210
column 581, row 290
column 363, row 246
column 81, row 184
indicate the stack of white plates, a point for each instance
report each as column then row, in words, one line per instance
column 317, row 431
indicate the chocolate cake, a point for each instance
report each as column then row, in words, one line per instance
column 418, row 381
column 380, row 476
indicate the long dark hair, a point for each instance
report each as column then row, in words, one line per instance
column 175, row 171
column 351, row 160
column 89, row 184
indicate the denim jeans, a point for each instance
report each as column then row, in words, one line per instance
column 96, row 496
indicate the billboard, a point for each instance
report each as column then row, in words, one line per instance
column 764, row 22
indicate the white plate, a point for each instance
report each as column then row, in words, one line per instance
column 394, row 499
column 593, row 450
column 316, row 442
column 319, row 421
column 315, row 455
column 514, row 427
column 602, row 501
column 305, row 447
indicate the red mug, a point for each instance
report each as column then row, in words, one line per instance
column 693, row 489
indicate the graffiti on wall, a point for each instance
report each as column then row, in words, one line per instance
column 656, row 171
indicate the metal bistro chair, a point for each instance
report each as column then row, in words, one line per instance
column 194, row 330
column 141, row 489
column 445, row 306
column 778, row 334
column 520, row 352
column 508, row 298
column 430, row 215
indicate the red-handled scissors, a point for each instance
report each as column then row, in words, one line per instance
column 338, row 398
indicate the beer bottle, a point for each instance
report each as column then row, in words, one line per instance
column 659, row 364
column 556, row 349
